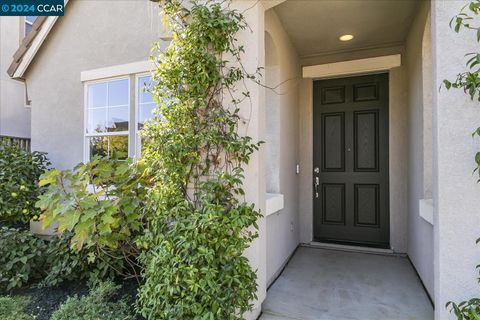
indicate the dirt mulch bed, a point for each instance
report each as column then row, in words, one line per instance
column 45, row 301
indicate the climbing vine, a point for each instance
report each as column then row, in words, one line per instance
column 200, row 224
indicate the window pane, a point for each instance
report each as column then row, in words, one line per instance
column 118, row 92
column 107, row 146
column 98, row 147
column 117, row 119
column 144, row 84
column 30, row 19
column 97, row 120
column 28, row 28
column 145, row 112
column 108, row 111
column 97, row 95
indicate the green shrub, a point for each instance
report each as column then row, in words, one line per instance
column 21, row 258
column 199, row 222
column 62, row 263
column 12, row 309
column 26, row 259
column 19, row 174
column 101, row 204
column 197, row 270
column 97, row 305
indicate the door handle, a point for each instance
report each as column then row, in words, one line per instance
column 317, row 183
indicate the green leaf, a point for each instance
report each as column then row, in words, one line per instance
column 457, row 25
column 49, row 177
column 447, row 84
column 68, row 221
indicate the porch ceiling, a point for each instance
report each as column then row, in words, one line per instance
column 314, row 26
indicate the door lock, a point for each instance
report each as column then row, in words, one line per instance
column 317, row 183
column 316, row 170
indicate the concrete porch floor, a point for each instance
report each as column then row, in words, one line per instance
column 339, row 285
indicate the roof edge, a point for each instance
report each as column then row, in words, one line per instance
column 30, row 45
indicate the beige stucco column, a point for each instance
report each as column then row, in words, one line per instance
column 253, row 113
column 456, row 193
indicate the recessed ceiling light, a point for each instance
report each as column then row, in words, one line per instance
column 345, row 37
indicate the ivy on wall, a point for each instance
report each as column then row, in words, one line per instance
column 200, row 224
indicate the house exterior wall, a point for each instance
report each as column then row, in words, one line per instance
column 14, row 116
column 420, row 232
column 398, row 147
column 282, row 226
column 75, row 45
column 456, row 192
column 122, row 34
column 58, row 112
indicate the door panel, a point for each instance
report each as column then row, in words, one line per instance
column 351, row 198
column 333, row 141
column 334, row 203
column 366, row 205
column 333, row 95
column 365, row 133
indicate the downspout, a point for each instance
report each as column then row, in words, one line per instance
column 28, row 102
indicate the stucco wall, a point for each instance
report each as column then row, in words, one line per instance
column 282, row 227
column 420, row 232
column 254, row 111
column 456, row 192
column 398, row 147
column 111, row 35
column 14, row 116
column 398, row 160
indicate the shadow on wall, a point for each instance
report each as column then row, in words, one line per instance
column 272, row 101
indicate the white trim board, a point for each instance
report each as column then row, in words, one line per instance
column 274, row 203
column 352, row 67
column 116, row 71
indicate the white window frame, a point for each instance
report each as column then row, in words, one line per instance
column 138, row 142
column 87, row 136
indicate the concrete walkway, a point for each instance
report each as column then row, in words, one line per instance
column 338, row 285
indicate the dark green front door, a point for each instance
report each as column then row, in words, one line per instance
column 351, row 197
